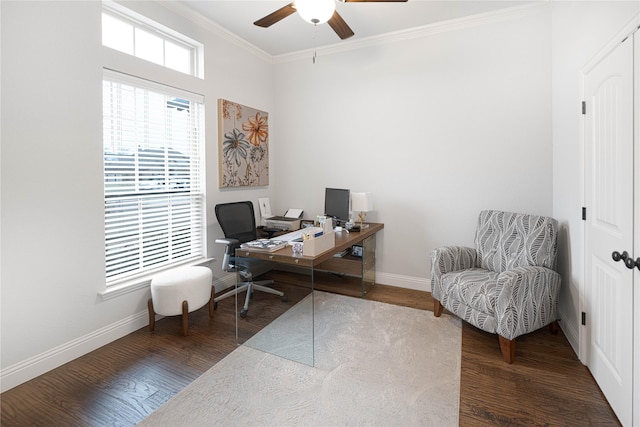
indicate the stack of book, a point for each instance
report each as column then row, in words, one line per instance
column 265, row 245
column 341, row 253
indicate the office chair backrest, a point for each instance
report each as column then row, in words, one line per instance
column 237, row 220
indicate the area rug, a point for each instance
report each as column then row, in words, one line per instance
column 376, row 364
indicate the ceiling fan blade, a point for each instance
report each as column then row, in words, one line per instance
column 339, row 26
column 276, row 16
column 373, row 1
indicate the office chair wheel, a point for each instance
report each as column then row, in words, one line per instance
column 243, row 313
column 283, row 298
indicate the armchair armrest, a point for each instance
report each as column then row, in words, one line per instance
column 526, row 300
column 447, row 259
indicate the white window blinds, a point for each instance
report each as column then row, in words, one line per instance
column 153, row 186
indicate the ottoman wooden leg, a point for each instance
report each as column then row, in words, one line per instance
column 212, row 302
column 152, row 315
column 185, row 317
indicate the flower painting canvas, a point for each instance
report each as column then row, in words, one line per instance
column 243, row 145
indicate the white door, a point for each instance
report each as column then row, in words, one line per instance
column 609, row 198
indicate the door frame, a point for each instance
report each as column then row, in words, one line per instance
column 636, row 231
column 630, row 29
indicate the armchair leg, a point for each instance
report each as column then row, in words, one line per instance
column 507, row 348
column 554, row 327
column 437, row 308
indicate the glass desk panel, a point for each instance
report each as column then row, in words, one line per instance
column 368, row 263
column 289, row 332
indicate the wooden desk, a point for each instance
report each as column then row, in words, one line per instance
column 348, row 275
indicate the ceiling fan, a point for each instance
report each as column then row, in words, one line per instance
column 316, row 12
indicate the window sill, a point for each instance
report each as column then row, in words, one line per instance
column 143, row 282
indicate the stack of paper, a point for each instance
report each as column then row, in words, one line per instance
column 266, row 245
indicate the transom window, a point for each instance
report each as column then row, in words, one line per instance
column 153, row 186
column 131, row 33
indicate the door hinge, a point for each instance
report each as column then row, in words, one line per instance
column 584, row 318
column 584, row 107
column 584, row 213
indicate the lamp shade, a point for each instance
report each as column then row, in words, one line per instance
column 361, row 202
column 315, row 11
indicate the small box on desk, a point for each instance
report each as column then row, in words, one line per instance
column 317, row 245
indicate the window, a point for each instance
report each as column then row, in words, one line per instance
column 153, row 187
column 128, row 32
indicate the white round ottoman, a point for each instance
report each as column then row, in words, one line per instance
column 180, row 291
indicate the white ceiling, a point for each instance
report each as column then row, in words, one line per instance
column 292, row 34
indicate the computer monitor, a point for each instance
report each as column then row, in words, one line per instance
column 336, row 204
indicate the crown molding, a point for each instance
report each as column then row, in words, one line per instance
column 196, row 18
column 345, row 46
column 417, row 32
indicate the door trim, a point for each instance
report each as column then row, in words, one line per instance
column 636, row 230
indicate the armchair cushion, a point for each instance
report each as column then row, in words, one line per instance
column 474, row 288
column 471, row 295
column 505, row 240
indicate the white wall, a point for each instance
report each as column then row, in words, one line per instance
column 580, row 29
column 437, row 128
column 51, row 173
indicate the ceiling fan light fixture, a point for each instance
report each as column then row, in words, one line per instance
column 315, row 11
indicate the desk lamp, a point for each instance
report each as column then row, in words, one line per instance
column 362, row 203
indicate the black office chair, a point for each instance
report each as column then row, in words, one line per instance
column 238, row 224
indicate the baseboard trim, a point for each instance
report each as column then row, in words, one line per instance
column 409, row 282
column 28, row 369
column 32, row 367
column 571, row 333
column 390, row 279
column 224, row 283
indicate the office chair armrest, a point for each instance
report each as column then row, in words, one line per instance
column 229, row 251
column 228, row 242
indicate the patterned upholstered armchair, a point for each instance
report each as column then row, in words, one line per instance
column 506, row 285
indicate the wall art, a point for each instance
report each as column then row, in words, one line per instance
column 243, row 134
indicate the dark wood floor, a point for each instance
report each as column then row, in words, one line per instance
column 122, row 382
